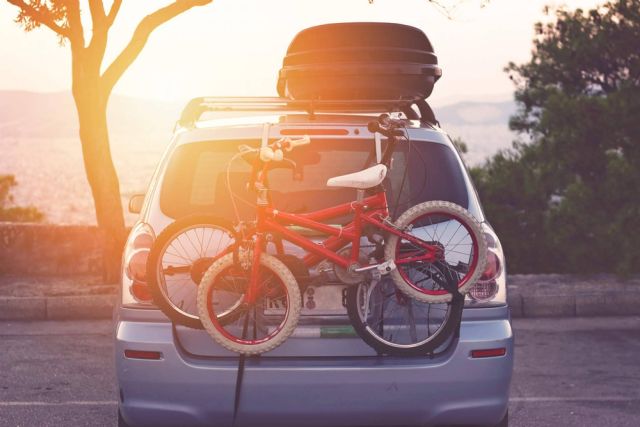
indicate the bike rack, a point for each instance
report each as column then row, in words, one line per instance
column 198, row 106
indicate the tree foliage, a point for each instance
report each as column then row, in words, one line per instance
column 10, row 212
column 568, row 200
column 460, row 145
column 451, row 8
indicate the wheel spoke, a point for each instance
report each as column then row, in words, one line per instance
column 180, row 250
column 396, row 320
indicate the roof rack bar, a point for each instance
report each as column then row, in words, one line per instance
column 198, row 106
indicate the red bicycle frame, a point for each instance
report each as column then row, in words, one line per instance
column 371, row 210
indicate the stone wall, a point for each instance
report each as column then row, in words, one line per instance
column 46, row 249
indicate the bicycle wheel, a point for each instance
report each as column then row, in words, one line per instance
column 394, row 324
column 260, row 326
column 179, row 258
column 463, row 250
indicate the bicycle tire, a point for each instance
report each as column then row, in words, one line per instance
column 156, row 278
column 242, row 344
column 439, row 209
column 382, row 342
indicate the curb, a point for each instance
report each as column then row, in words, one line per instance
column 522, row 306
column 57, row 308
column 581, row 305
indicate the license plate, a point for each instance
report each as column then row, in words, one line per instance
column 328, row 300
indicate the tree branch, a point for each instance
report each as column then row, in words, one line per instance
column 140, row 36
column 99, row 22
column 97, row 12
column 40, row 16
column 113, row 12
column 76, row 31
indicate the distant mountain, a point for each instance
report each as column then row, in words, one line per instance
column 476, row 113
column 29, row 114
column 482, row 125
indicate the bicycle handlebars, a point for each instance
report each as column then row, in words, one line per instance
column 268, row 154
column 289, row 144
column 387, row 126
column 275, row 151
column 391, row 128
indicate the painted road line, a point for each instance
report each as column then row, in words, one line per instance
column 69, row 403
column 574, row 399
column 529, row 399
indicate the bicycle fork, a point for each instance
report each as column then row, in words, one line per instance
column 253, row 290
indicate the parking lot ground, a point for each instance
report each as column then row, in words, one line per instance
column 569, row 372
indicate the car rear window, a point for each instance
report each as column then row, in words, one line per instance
column 196, row 177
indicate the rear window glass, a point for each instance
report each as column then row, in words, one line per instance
column 196, row 177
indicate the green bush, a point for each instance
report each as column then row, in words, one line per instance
column 11, row 213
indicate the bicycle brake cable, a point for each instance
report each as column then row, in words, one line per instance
column 232, row 195
column 404, row 176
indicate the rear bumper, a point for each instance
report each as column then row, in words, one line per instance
column 185, row 390
column 189, row 391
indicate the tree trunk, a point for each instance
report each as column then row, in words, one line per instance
column 91, row 105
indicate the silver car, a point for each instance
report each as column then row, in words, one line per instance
column 324, row 374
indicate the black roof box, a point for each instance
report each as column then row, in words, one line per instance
column 361, row 60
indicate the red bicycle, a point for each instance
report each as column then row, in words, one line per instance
column 249, row 300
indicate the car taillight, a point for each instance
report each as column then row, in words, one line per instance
column 484, row 291
column 486, row 287
column 140, row 292
column 135, row 290
column 493, row 266
column 135, row 265
column 491, row 287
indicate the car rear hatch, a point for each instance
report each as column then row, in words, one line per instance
column 195, row 182
column 330, row 336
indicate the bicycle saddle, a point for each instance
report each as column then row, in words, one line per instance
column 362, row 180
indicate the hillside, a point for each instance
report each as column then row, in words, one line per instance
column 482, row 125
column 29, row 114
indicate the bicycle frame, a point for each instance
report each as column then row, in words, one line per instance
column 371, row 210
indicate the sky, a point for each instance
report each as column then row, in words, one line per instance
column 235, row 47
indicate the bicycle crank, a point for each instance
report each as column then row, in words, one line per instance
column 383, row 268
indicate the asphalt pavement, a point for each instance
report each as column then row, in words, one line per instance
column 569, row 372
